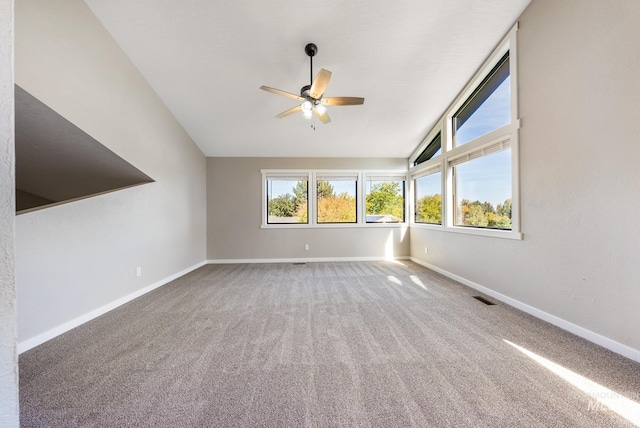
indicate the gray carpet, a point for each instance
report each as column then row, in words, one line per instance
column 322, row 344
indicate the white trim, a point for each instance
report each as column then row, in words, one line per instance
column 330, row 225
column 425, row 142
column 598, row 339
column 65, row 327
column 305, row 260
column 508, row 43
column 507, row 135
column 359, row 176
column 478, row 231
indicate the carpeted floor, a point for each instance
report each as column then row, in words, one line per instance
column 314, row 345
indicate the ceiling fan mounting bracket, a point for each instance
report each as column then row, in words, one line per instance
column 311, row 49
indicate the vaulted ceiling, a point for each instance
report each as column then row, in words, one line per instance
column 207, row 60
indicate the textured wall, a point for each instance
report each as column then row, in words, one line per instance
column 234, row 210
column 8, row 314
column 579, row 86
column 76, row 258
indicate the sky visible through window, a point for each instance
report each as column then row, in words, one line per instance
column 281, row 187
column 488, row 179
column 429, row 185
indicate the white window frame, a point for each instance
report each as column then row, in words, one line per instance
column 337, row 176
column 312, row 197
column 432, row 166
column 386, row 175
column 507, row 134
column 282, row 174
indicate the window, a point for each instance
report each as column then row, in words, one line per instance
column 428, row 197
column 336, row 198
column 465, row 179
column 434, row 148
column 333, row 198
column 483, row 190
column 384, row 199
column 487, row 108
column 287, row 199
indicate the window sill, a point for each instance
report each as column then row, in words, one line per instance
column 494, row 233
column 335, row 226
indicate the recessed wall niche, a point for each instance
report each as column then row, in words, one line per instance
column 57, row 162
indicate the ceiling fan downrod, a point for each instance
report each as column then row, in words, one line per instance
column 311, row 49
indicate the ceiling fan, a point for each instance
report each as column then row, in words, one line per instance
column 311, row 96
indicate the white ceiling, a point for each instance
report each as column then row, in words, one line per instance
column 207, row 59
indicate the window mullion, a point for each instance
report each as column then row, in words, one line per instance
column 312, row 190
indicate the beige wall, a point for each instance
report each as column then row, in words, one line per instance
column 74, row 259
column 580, row 143
column 8, row 305
column 234, row 204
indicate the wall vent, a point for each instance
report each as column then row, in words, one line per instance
column 483, row 300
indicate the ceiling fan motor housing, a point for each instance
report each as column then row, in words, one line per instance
column 304, row 91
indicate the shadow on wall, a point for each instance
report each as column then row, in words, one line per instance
column 57, row 162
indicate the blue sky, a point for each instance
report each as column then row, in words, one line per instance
column 487, row 179
column 280, row 188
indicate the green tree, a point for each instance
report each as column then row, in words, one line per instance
column 324, row 189
column 474, row 215
column 282, row 206
column 300, row 192
column 504, row 209
column 385, row 198
column 482, row 214
column 429, row 209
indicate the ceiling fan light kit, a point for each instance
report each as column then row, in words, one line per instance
column 312, row 101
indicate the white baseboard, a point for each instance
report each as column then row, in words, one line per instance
column 605, row 342
column 305, row 260
column 63, row 328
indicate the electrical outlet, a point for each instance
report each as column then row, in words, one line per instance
column 139, row 271
column 426, row 250
column 306, row 247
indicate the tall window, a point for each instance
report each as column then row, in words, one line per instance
column 487, row 108
column 287, row 199
column 428, row 197
column 466, row 179
column 482, row 177
column 385, row 199
column 336, row 198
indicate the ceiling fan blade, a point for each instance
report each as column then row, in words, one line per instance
column 283, row 93
column 289, row 112
column 320, row 83
column 342, row 101
column 324, row 118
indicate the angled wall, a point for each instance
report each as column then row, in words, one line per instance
column 75, row 261
column 579, row 151
column 8, row 305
